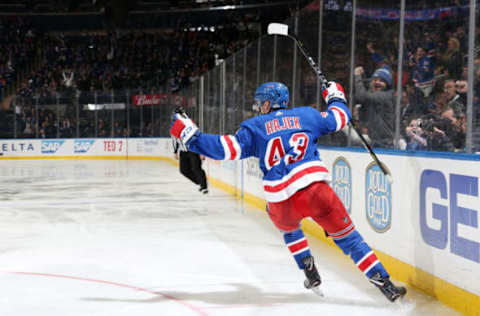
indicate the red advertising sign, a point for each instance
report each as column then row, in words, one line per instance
column 150, row 99
column 158, row 99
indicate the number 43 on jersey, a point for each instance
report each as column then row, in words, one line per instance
column 298, row 143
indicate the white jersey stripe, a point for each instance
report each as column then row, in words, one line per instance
column 337, row 119
column 293, row 172
column 229, row 154
column 295, row 186
column 296, row 242
column 341, row 232
column 359, row 262
column 371, row 266
column 226, row 149
column 338, row 113
column 237, row 147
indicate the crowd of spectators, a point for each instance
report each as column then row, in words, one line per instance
column 434, row 84
column 129, row 60
column 75, row 67
column 19, row 42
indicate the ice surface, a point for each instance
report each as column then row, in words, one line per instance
column 136, row 238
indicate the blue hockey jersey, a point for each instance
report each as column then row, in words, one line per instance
column 285, row 143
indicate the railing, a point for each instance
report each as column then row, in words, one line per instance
column 431, row 104
column 124, row 113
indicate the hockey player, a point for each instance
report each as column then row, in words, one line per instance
column 295, row 177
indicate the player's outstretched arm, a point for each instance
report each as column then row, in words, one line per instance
column 219, row 147
column 338, row 115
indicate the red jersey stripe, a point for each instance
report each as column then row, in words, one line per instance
column 233, row 152
column 341, row 114
column 296, row 247
column 176, row 129
column 367, row 262
column 340, row 88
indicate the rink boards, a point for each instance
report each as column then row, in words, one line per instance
column 423, row 223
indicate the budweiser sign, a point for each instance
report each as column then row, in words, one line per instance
column 150, row 99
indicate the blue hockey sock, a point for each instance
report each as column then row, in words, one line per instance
column 353, row 244
column 298, row 246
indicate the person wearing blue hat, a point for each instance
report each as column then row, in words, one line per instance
column 377, row 105
column 384, row 74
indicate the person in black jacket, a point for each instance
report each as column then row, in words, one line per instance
column 191, row 166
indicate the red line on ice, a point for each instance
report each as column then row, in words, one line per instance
column 196, row 309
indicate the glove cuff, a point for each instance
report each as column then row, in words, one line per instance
column 187, row 133
column 335, row 99
column 192, row 137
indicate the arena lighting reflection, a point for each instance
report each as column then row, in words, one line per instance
column 104, row 106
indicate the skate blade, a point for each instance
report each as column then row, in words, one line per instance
column 317, row 290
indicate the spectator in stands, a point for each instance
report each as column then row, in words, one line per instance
column 453, row 98
column 438, row 104
column 118, row 130
column 28, row 131
column 416, row 98
column 435, row 129
column 452, row 60
column 409, row 112
column 476, row 81
column 102, row 129
column 308, row 88
column 68, row 78
column 456, row 130
column 421, row 69
column 415, row 140
column 460, row 35
column 461, row 86
column 377, row 105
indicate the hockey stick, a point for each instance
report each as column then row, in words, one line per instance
column 282, row 29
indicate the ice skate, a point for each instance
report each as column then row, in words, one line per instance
column 313, row 280
column 386, row 286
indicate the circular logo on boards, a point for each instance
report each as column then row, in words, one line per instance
column 342, row 182
column 378, row 198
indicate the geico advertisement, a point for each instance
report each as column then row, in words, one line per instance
column 428, row 216
column 448, row 213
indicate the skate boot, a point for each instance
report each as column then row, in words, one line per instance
column 386, row 286
column 313, row 280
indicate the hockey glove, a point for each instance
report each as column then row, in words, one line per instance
column 333, row 91
column 183, row 128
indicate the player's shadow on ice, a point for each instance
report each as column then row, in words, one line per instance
column 246, row 295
